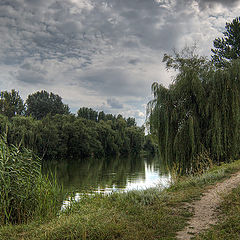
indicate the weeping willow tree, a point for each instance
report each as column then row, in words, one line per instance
column 197, row 116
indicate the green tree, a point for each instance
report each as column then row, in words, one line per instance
column 88, row 113
column 110, row 117
column 25, row 131
column 11, row 104
column 136, row 137
column 227, row 48
column 149, row 146
column 198, row 115
column 107, row 136
column 101, row 116
column 40, row 104
column 65, row 136
column 131, row 122
column 50, row 139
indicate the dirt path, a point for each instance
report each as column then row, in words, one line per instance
column 205, row 208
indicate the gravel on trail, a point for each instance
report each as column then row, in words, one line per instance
column 204, row 210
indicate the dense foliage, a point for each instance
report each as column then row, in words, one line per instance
column 25, row 193
column 198, row 117
column 51, row 131
column 40, row 104
column 11, row 103
column 227, row 47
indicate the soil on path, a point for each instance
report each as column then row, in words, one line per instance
column 205, row 209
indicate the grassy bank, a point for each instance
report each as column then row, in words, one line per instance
column 148, row 214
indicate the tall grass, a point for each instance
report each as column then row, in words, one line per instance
column 25, row 194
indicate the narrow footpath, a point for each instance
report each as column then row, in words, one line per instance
column 204, row 210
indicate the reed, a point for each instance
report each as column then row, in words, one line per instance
column 25, row 193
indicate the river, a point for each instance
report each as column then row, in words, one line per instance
column 109, row 175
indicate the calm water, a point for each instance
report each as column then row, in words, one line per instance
column 109, row 175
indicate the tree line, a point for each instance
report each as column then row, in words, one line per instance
column 44, row 124
column 196, row 120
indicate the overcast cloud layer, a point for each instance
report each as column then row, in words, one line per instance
column 102, row 54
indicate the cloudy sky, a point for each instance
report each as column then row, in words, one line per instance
column 103, row 54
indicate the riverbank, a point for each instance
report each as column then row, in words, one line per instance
column 150, row 214
column 204, row 211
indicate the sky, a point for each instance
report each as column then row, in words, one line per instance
column 103, row 54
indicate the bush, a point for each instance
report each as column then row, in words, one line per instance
column 25, row 192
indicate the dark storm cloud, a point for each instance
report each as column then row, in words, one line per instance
column 134, row 61
column 29, row 76
column 113, row 82
column 139, row 19
column 43, row 30
column 114, row 103
column 63, row 30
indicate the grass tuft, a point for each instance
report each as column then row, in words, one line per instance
column 25, row 193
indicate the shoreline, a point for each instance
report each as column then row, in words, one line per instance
column 141, row 214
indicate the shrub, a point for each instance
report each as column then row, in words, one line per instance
column 25, row 192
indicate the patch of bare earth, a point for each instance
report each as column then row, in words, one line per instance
column 204, row 210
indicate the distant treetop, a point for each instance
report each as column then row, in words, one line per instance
column 227, row 48
column 11, row 103
column 40, row 104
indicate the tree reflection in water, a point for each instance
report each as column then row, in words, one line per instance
column 107, row 175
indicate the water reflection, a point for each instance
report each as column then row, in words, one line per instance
column 109, row 175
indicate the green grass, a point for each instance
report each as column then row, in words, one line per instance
column 148, row 214
column 25, row 193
